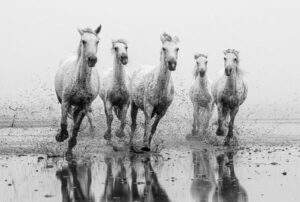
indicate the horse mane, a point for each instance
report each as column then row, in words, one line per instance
column 166, row 37
column 85, row 30
column 239, row 71
column 196, row 56
column 123, row 41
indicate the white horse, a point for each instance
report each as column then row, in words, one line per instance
column 152, row 90
column 200, row 95
column 77, row 84
column 114, row 89
column 229, row 92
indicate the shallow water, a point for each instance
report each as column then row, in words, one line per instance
column 201, row 174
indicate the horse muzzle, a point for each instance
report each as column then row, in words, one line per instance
column 172, row 65
column 202, row 73
column 124, row 59
column 92, row 60
column 228, row 71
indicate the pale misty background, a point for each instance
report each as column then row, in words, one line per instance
column 35, row 35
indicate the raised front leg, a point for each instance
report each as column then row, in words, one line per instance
column 133, row 113
column 109, row 120
column 78, row 117
column 147, row 112
column 195, row 124
column 63, row 133
column 229, row 136
column 120, row 132
column 154, row 126
column 222, row 114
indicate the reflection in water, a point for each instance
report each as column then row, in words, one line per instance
column 134, row 179
column 75, row 182
column 204, row 176
column 117, row 188
column 228, row 188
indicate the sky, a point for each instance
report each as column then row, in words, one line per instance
column 35, row 35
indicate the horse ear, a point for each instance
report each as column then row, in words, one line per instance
column 175, row 39
column 97, row 31
column 196, row 55
column 80, row 31
column 225, row 52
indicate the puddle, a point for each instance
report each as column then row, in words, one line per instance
column 250, row 174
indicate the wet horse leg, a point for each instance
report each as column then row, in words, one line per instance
column 147, row 112
column 196, row 119
column 154, row 126
column 233, row 113
column 109, row 120
column 78, row 117
column 133, row 113
column 120, row 132
column 222, row 114
column 63, row 133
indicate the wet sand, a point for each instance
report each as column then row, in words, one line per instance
column 263, row 167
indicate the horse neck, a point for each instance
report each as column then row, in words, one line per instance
column 163, row 76
column 202, row 81
column 231, row 81
column 118, row 72
column 83, row 73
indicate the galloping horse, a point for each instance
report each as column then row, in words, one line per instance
column 152, row 89
column 200, row 95
column 114, row 89
column 77, row 84
column 229, row 92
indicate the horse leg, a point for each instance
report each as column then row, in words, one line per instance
column 147, row 112
column 78, row 117
column 120, row 132
column 109, row 120
column 154, row 126
column 222, row 113
column 196, row 119
column 133, row 113
column 206, row 118
column 63, row 133
column 90, row 117
column 233, row 113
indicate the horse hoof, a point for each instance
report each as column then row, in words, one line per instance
column 120, row 134
column 230, row 141
column 219, row 132
column 61, row 136
column 145, row 149
column 69, row 155
column 107, row 136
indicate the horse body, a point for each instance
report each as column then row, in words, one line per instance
column 152, row 89
column 114, row 89
column 200, row 95
column 77, row 84
column 229, row 92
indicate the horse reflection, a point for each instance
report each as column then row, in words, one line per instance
column 145, row 189
column 116, row 188
column 204, row 176
column 228, row 188
column 76, row 182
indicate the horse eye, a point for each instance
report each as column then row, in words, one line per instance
column 83, row 42
column 206, row 62
column 126, row 47
column 116, row 48
column 224, row 59
column 235, row 60
column 97, row 42
column 177, row 49
column 163, row 49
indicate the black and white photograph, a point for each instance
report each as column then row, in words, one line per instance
column 150, row 101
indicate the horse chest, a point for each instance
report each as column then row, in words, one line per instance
column 81, row 96
column 118, row 97
column 230, row 99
